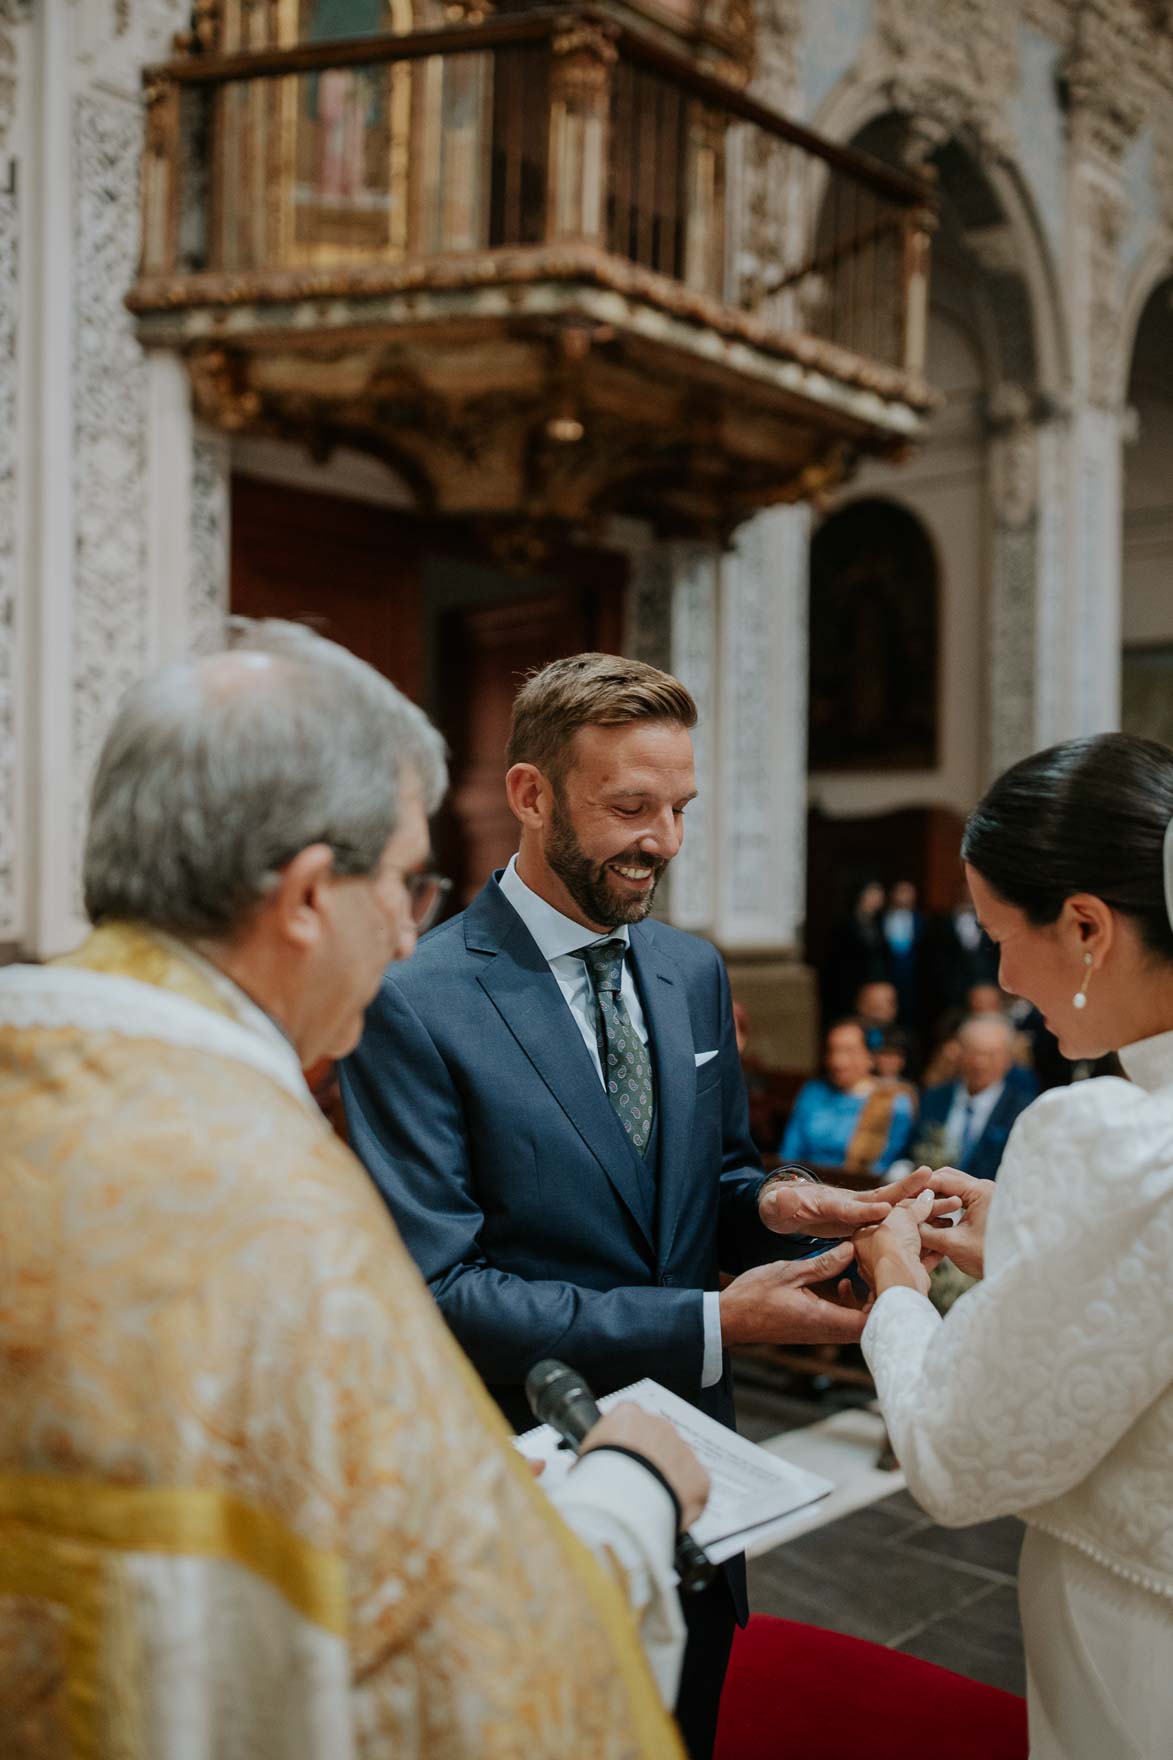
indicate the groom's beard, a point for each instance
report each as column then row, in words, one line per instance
column 589, row 883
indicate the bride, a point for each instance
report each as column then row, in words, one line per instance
column 1047, row 1391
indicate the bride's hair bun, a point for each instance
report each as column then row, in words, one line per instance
column 1091, row 815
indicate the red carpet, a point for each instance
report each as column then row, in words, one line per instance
column 794, row 1692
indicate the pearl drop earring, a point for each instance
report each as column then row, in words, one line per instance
column 1079, row 1000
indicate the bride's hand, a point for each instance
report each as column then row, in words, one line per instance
column 890, row 1254
column 964, row 1243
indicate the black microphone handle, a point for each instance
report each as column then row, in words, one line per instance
column 694, row 1567
column 576, row 1417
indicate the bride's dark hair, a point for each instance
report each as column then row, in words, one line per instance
column 1086, row 816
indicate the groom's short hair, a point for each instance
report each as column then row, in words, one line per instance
column 589, row 690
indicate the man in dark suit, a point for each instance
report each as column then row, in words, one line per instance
column 550, row 1099
column 966, row 1122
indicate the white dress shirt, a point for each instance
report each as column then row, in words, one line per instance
column 558, row 939
column 957, row 1135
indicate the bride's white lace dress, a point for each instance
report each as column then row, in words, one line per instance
column 1047, row 1392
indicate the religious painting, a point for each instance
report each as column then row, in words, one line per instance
column 351, row 139
column 1146, row 696
column 874, row 639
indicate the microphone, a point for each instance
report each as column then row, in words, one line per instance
column 558, row 1396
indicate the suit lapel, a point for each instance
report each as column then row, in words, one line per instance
column 525, row 993
column 665, row 1007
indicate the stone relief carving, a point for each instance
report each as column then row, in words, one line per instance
column 747, row 664
column 1013, row 647
column 1013, row 457
column 12, row 15
column 110, row 431
column 208, row 581
column 952, row 64
column 779, row 32
column 694, row 642
column 1107, row 76
column 1105, row 212
column 648, row 608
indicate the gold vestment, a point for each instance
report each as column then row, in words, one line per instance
column 253, row 1500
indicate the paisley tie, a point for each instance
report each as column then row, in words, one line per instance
column 627, row 1067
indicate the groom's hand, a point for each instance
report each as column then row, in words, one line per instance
column 832, row 1212
column 783, row 1303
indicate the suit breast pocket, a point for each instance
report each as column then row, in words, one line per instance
column 708, row 1080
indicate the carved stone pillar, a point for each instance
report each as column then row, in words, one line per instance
column 15, row 126
column 582, row 57
column 732, row 626
column 761, row 774
column 122, row 540
column 693, row 636
column 761, row 788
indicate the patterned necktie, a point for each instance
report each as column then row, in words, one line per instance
column 627, row 1067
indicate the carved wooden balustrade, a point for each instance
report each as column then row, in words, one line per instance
column 541, row 263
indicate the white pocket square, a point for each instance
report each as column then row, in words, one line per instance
column 704, row 1057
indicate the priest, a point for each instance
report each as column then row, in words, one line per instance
column 253, row 1501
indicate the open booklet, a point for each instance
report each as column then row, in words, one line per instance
column 753, row 1493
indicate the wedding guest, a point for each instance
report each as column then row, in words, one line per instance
column 957, row 955
column 1047, row 1390
column 848, row 1118
column 857, row 950
column 890, row 1058
column 877, row 1007
column 966, row 1122
column 903, row 930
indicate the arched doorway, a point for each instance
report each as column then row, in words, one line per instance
column 874, row 640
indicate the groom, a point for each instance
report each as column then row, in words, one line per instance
column 550, row 1099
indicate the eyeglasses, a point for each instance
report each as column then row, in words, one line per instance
column 426, row 893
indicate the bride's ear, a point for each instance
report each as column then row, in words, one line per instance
column 1091, row 923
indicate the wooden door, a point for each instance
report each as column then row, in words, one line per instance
column 484, row 654
column 349, row 567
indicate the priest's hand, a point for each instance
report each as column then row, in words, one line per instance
column 627, row 1426
column 804, row 1206
column 783, row 1303
column 965, row 1243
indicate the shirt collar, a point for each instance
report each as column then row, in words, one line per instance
column 555, row 934
column 243, row 1009
column 985, row 1097
column 1149, row 1063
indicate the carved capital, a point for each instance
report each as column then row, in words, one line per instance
column 584, row 53
column 219, row 390
column 1105, row 78
column 951, row 64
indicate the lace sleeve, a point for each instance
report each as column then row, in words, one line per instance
column 1037, row 1372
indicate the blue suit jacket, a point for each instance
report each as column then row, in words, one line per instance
column 476, row 1107
column 985, row 1157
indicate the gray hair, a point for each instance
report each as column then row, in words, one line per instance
column 1003, row 1021
column 218, row 770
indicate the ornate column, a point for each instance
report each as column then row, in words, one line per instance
column 693, row 635
column 761, row 772
column 124, row 528
column 761, row 782
column 1107, row 82
column 732, row 625
column 15, row 123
